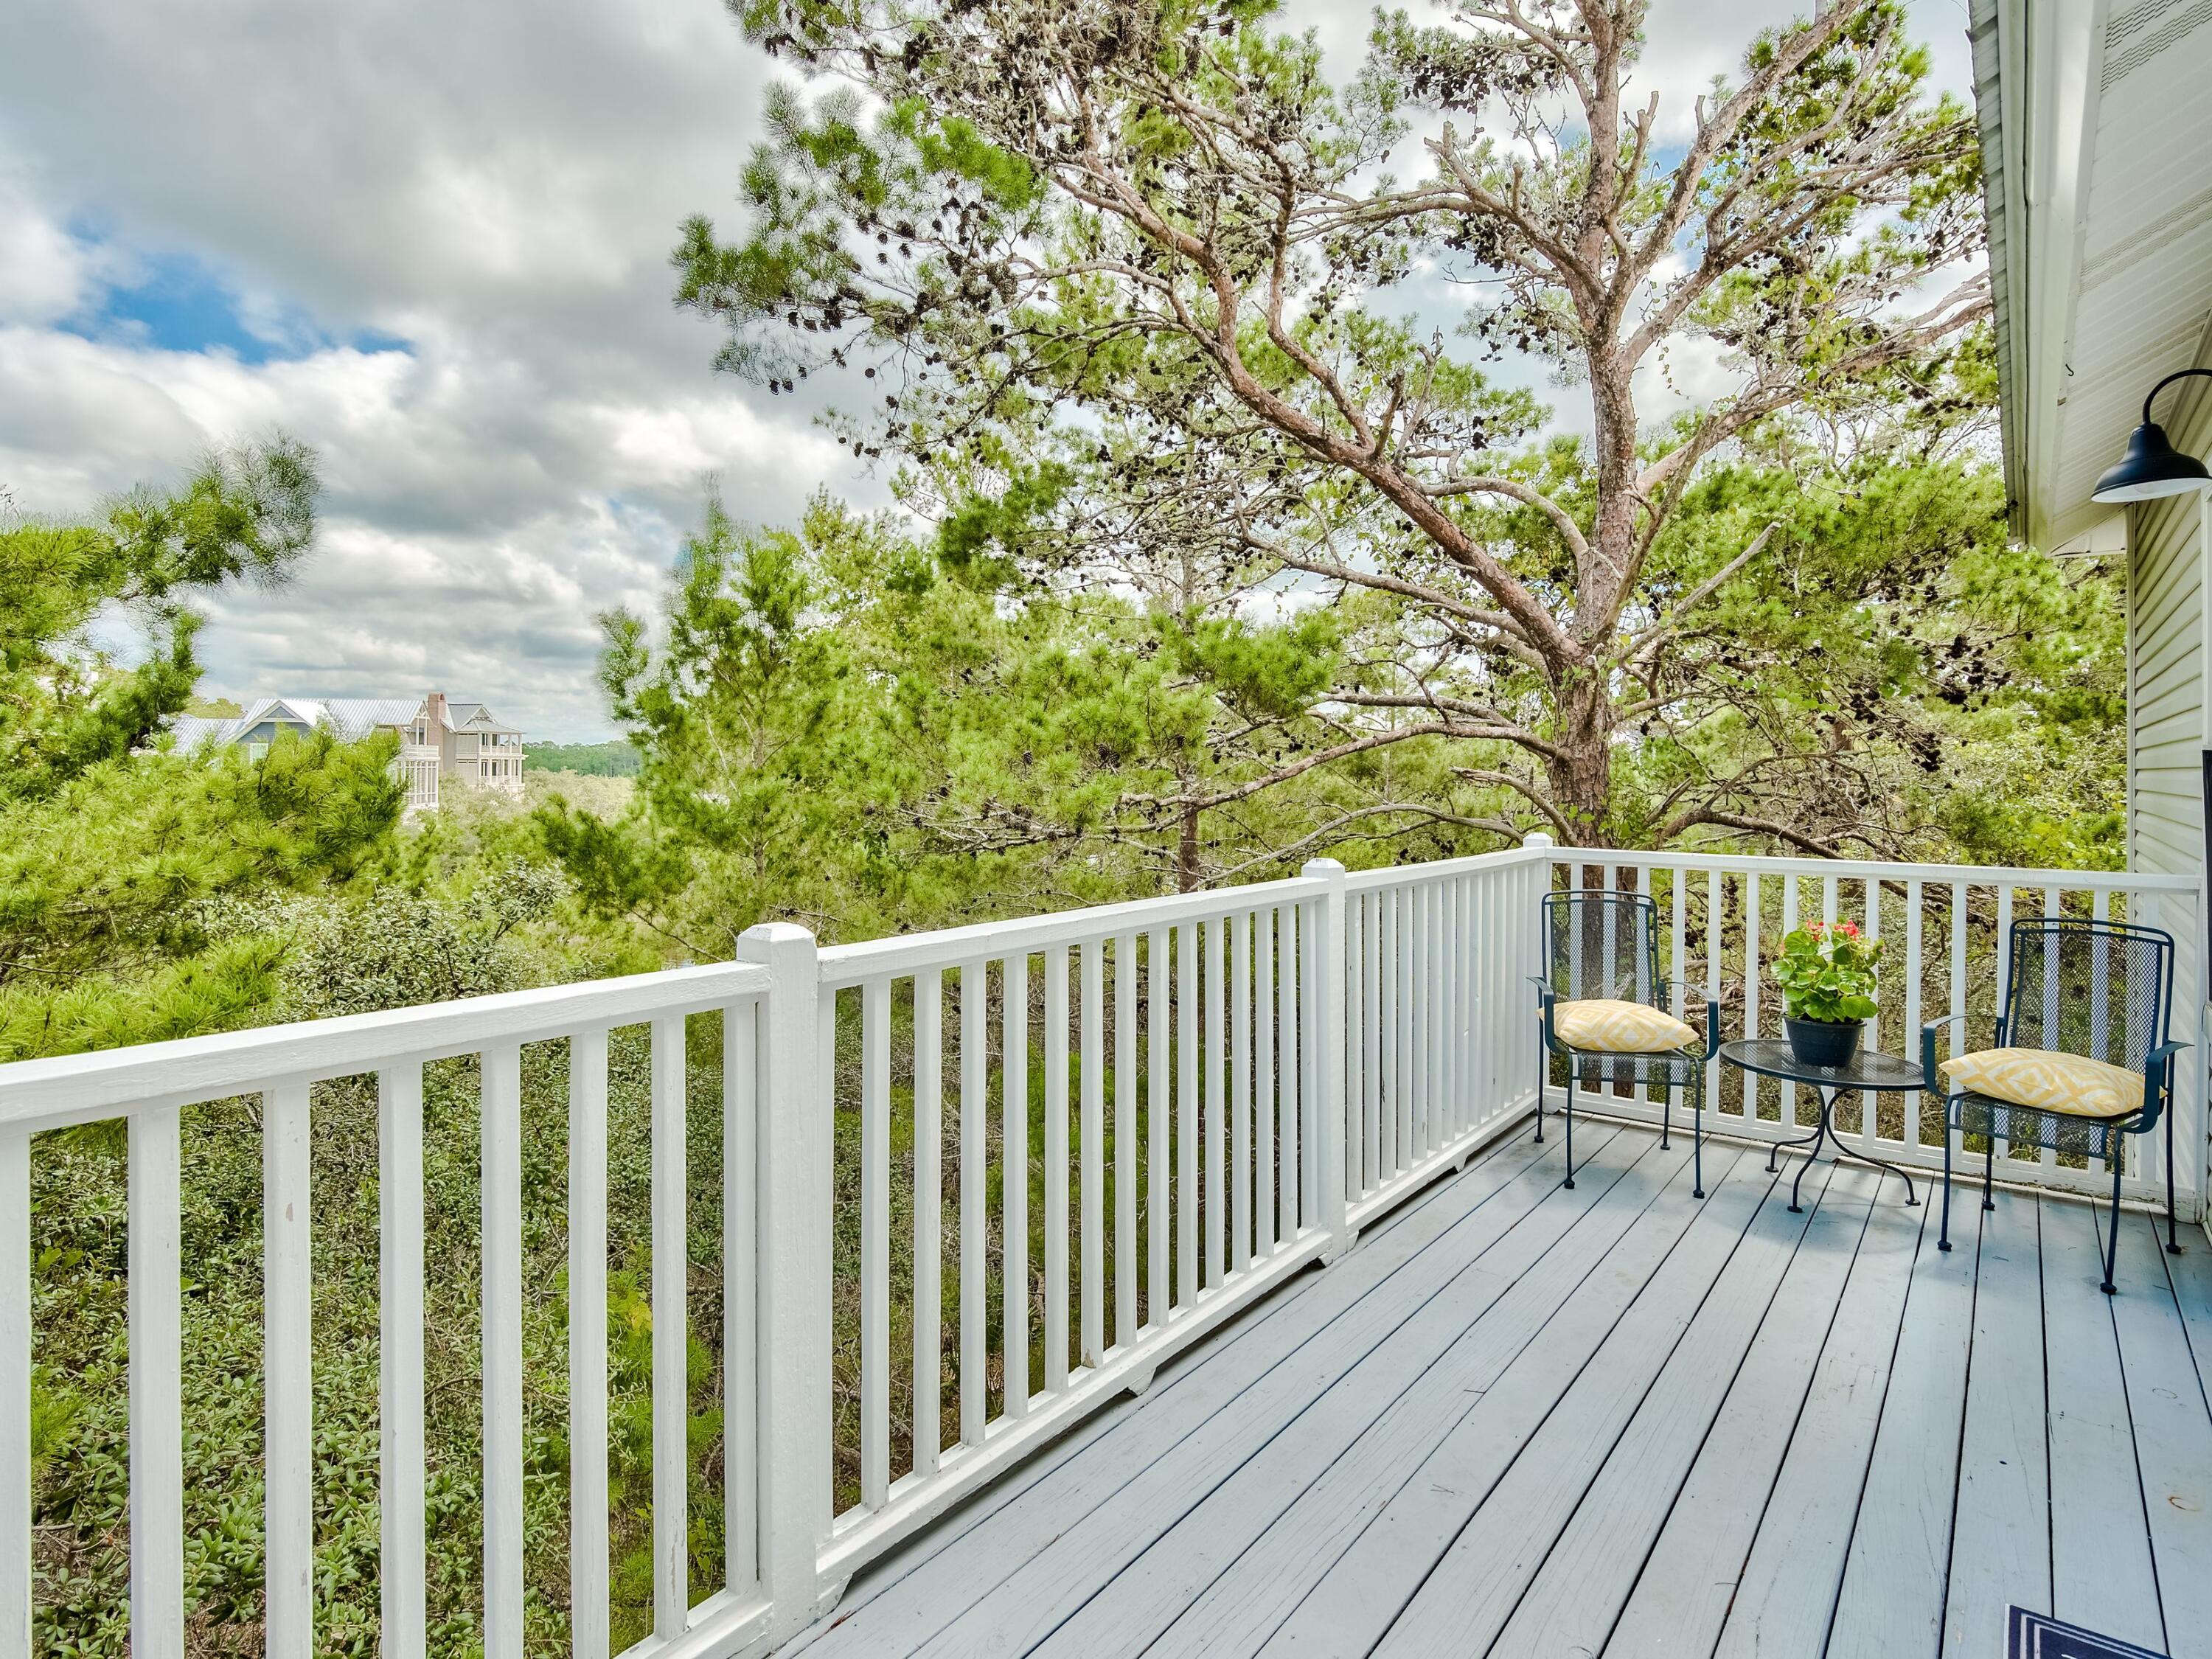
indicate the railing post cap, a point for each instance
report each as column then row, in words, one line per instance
column 764, row 937
column 1323, row 869
column 1536, row 838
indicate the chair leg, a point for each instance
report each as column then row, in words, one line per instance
column 1570, row 1123
column 2172, row 1248
column 1990, row 1172
column 1543, row 1078
column 1698, row 1143
column 2113, row 1235
column 1666, row 1117
column 1943, row 1236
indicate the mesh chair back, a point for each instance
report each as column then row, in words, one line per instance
column 1601, row 944
column 2094, row 988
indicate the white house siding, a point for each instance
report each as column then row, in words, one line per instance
column 2167, row 711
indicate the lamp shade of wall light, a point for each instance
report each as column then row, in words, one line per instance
column 2152, row 467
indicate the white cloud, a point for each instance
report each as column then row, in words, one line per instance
column 497, row 187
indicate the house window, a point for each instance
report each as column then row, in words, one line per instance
column 255, row 751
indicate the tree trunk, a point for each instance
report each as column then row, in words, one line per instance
column 1190, row 874
column 1581, row 771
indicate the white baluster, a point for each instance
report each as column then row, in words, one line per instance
column 157, row 1437
column 399, row 1369
column 975, row 1219
column 1055, row 1169
column 1014, row 1190
column 1091, row 1156
column 1125, row 1138
column 740, row 1298
column 671, row 1325
column 288, row 1296
column 928, row 1382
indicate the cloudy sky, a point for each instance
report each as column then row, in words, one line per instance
column 432, row 240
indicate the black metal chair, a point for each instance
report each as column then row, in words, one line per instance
column 1601, row 951
column 2095, row 990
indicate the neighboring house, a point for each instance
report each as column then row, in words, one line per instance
column 439, row 740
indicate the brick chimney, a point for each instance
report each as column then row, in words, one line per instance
column 435, row 705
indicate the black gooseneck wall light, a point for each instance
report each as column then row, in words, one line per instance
column 2153, row 466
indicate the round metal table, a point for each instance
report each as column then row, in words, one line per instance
column 1869, row 1072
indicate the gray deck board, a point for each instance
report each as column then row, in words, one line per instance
column 1519, row 1421
column 1683, row 1586
column 1366, row 1589
column 2101, row 1571
column 2001, row 1529
column 1286, row 1527
column 929, row 1594
column 2172, row 1431
column 1724, row 1270
column 1787, row 1595
column 1494, row 1306
column 1892, row 1598
column 1087, row 1552
column 1584, row 1582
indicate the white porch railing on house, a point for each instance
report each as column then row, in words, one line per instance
column 933, row 1260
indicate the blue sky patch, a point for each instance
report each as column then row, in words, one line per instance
column 180, row 302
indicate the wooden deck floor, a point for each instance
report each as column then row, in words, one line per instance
column 1521, row 1420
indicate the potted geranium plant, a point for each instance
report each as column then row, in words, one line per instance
column 1827, row 971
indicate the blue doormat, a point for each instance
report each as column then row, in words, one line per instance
column 2038, row 1636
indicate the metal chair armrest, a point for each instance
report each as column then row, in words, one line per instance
column 1545, row 997
column 2158, row 1075
column 1928, row 1050
column 1712, row 1028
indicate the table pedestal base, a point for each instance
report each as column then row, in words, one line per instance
column 1825, row 1131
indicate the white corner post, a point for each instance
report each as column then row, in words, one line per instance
column 1327, row 1052
column 794, row 1201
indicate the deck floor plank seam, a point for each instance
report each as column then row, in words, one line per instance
column 1683, row 1585
column 1365, row 1591
column 1578, row 1595
column 1240, row 1607
column 964, row 1568
column 1355, row 1600
column 1785, row 1598
column 1897, row 1569
column 1705, row 1285
column 1079, row 1552
column 1499, row 1303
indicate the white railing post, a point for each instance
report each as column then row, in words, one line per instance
column 795, row 1118
column 1327, row 1052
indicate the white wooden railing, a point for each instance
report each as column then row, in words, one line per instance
column 1209, row 1092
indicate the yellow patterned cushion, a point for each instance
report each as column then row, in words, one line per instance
column 1601, row 1026
column 2053, row 1082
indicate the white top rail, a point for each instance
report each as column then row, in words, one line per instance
column 1980, row 875
column 1401, row 875
column 902, row 954
column 62, row 1089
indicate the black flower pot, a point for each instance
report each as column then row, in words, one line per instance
column 1821, row 1042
